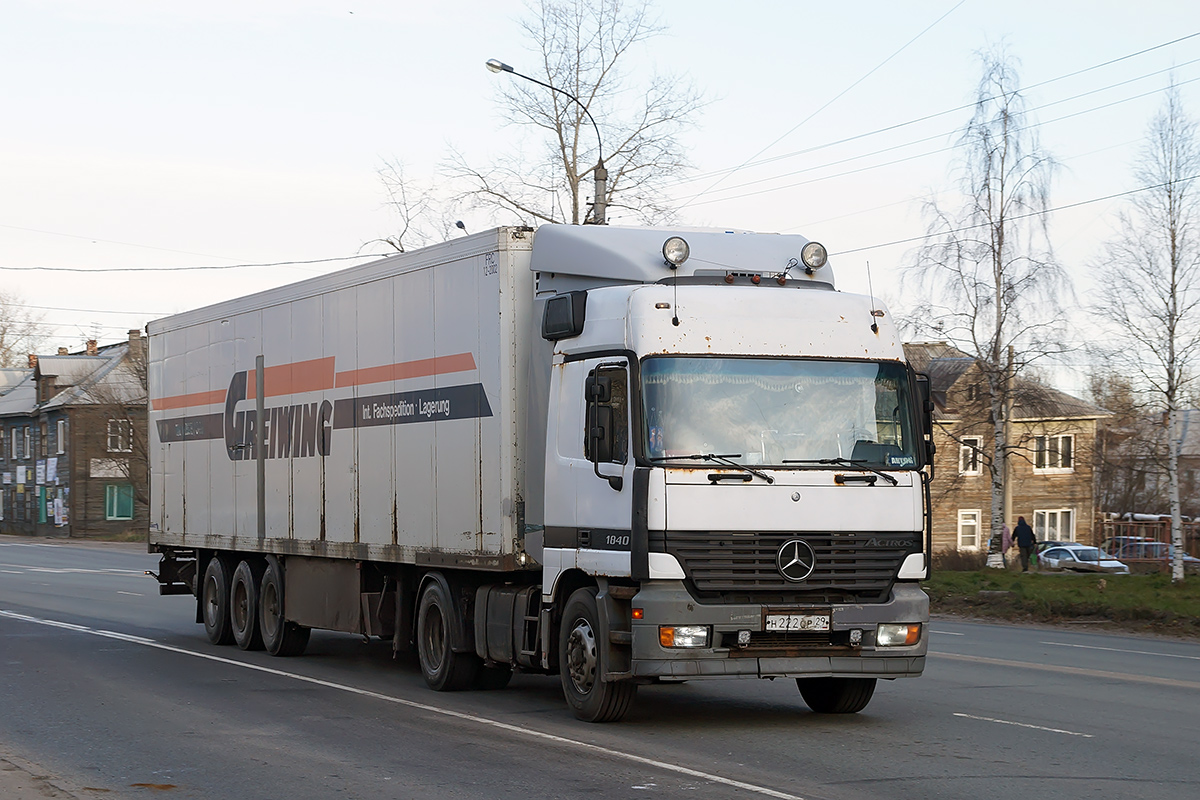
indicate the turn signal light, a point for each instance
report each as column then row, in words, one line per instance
column 638, row 613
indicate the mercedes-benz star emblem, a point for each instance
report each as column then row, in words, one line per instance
column 795, row 560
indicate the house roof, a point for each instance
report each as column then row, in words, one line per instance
column 17, row 392
column 945, row 365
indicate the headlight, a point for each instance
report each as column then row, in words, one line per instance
column 675, row 251
column 683, row 635
column 892, row 635
column 814, row 256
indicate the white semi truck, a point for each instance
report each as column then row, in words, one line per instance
column 619, row 455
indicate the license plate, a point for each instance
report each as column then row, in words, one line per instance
column 797, row 622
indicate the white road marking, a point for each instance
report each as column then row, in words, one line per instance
column 13, row 571
column 504, row 726
column 1025, row 725
column 132, row 594
column 946, row 633
column 1119, row 650
column 76, row 570
column 1077, row 671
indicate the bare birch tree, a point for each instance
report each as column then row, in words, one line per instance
column 583, row 48
column 988, row 270
column 1150, row 283
column 420, row 217
column 19, row 331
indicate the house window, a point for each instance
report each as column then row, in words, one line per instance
column 120, row 436
column 1054, row 453
column 61, row 434
column 44, row 438
column 968, row 529
column 27, row 452
column 118, row 501
column 1055, row 525
column 12, row 448
column 968, row 456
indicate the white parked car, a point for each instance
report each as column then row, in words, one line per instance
column 1080, row 558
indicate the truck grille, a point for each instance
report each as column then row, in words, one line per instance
column 740, row 567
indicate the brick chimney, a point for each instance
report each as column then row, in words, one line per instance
column 137, row 345
column 91, row 347
column 32, row 361
column 62, row 351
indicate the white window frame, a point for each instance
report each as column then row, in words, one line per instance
column 966, row 518
column 120, row 434
column 968, row 455
column 1047, row 460
column 28, row 451
column 61, row 437
column 1044, row 517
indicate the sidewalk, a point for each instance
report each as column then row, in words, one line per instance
column 21, row 780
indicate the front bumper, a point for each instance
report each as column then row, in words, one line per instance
column 668, row 603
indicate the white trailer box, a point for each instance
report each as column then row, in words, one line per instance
column 392, row 408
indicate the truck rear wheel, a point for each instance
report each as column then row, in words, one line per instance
column 836, row 695
column 243, row 606
column 280, row 637
column 214, row 601
column 590, row 697
column 444, row 670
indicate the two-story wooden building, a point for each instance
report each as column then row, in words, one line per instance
column 1051, row 468
column 73, row 459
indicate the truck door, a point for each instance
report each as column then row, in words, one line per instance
column 589, row 476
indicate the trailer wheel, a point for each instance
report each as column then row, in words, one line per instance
column 215, row 602
column 243, row 606
column 444, row 670
column 590, row 697
column 280, row 637
column 836, row 695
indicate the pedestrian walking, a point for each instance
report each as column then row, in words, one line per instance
column 1026, row 541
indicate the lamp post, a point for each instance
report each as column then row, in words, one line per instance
column 599, row 202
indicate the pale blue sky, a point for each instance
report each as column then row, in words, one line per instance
column 164, row 134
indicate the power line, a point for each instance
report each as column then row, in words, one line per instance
column 1014, row 218
column 729, row 170
column 919, row 155
column 189, row 269
column 840, row 94
column 112, row 241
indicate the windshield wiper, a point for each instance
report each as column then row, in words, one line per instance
column 858, row 463
column 724, row 459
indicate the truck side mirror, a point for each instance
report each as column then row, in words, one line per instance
column 925, row 398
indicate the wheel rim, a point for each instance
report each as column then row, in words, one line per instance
column 434, row 638
column 241, row 605
column 270, row 604
column 581, row 656
column 211, row 604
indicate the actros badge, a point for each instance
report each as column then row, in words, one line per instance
column 795, row 560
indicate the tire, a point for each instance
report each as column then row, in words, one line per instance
column 280, row 637
column 590, row 697
column 243, row 606
column 836, row 695
column 214, row 601
column 493, row 678
column 443, row 669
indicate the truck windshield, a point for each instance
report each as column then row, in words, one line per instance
column 773, row 410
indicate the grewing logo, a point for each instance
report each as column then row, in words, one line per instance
column 306, row 429
column 795, row 560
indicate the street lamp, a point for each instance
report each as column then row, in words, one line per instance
column 599, row 203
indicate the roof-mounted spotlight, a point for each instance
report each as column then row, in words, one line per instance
column 814, row 257
column 675, row 251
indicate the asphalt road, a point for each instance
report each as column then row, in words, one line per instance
column 112, row 691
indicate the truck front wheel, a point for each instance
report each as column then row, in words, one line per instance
column 214, row 601
column 836, row 695
column 444, row 670
column 590, row 697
